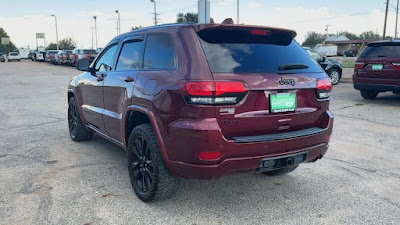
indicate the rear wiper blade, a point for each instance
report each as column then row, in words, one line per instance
column 292, row 67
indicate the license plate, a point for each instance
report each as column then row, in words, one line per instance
column 377, row 67
column 283, row 102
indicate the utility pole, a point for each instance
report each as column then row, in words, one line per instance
column 386, row 15
column 327, row 30
column 95, row 27
column 56, row 31
column 118, row 23
column 155, row 12
column 91, row 28
column 237, row 13
column 397, row 18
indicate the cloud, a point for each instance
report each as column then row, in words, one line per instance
column 94, row 13
column 254, row 4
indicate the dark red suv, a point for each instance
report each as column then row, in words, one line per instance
column 378, row 69
column 201, row 101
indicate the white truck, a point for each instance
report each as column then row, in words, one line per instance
column 327, row 50
column 24, row 52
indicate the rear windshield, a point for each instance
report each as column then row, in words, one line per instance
column 89, row 52
column 235, row 52
column 381, row 51
column 13, row 54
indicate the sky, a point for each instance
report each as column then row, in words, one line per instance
column 23, row 18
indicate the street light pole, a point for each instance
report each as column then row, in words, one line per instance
column 397, row 18
column 95, row 27
column 55, row 17
column 118, row 23
column 155, row 12
column 237, row 15
column 91, row 28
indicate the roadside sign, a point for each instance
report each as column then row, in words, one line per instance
column 5, row 41
column 40, row 35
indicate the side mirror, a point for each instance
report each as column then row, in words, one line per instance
column 323, row 59
column 83, row 65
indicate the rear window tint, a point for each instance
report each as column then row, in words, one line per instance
column 14, row 54
column 381, row 51
column 233, row 52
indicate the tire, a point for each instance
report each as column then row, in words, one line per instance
column 146, row 166
column 77, row 131
column 335, row 76
column 280, row 172
column 369, row 94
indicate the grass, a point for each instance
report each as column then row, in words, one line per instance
column 348, row 64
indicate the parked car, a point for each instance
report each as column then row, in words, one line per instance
column 58, row 59
column 13, row 56
column 351, row 53
column 65, row 57
column 235, row 98
column 39, row 56
column 79, row 54
column 377, row 69
column 332, row 67
column 50, row 55
column 2, row 58
column 31, row 55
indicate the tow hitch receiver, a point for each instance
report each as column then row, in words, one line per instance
column 279, row 162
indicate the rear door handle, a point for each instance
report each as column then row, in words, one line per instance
column 129, row 79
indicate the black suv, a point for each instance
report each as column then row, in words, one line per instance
column 332, row 67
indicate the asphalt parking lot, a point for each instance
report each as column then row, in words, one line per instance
column 46, row 178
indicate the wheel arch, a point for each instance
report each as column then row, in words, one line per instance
column 145, row 115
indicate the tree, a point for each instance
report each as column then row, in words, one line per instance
column 52, row 46
column 370, row 35
column 67, row 44
column 189, row 17
column 313, row 38
column 137, row 27
column 6, row 48
column 349, row 35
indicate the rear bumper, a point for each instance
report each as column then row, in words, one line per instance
column 376, row 87
column 375, row 84
column 237, row 157
column 232, row 165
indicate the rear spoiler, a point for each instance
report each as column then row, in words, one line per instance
column 199, row 27
column 235, row 34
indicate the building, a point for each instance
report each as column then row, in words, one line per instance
column 344, row 44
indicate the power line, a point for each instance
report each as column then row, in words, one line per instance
column 336, row 17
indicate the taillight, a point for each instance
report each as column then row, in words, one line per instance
column 396, row 65
column 324, row 88
column 213, row 93
column 89, row 56
column 359, row 65
column 75, row 56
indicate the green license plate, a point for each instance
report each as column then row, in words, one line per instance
column 283, row 102
column 377, row 67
